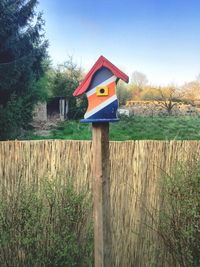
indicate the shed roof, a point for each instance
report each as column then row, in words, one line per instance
column 101, row 62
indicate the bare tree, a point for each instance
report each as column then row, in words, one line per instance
column 139, row 79
column 164, row 97
column 168, row 98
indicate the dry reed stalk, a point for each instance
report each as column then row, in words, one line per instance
column 136, row 168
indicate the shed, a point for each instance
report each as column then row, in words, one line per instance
column 56, row 108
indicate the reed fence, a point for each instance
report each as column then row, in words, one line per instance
column 136, row 169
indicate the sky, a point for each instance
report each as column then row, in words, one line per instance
column 160, row 38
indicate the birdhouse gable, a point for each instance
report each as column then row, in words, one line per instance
column 101, row 64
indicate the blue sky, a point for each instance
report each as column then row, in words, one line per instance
column 157, row 37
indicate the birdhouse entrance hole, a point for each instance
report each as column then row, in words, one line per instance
column 102, row 91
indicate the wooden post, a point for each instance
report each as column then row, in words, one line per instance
column 99, row 86
column 101, row 194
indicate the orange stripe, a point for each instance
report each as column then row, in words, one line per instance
column 94, row 100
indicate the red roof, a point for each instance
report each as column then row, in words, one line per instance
column 101, row 62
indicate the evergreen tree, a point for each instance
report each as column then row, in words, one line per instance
column 22, row 53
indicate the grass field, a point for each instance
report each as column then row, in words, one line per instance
column 134, row 128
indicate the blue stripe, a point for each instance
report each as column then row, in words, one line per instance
column 99, row 120
column 100, row 76
column 109, row 112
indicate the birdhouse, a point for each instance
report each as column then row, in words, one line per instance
column 99, row 86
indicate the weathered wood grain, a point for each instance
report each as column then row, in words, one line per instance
column 101, row 194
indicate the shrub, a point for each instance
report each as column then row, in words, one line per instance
column 179, row 222
column 48, row 226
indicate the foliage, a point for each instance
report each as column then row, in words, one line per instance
column 22, row 51
column 150, row 93
column 179, row 225
column 138, row 83
column 132, row 128
column 13, row 115
column 191, row 91
column 43, row 87
column 46, row 226
column 123, row 93
column 66, row 79
column 135, row 92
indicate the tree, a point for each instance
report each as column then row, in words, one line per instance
column 22, row 54
column 167, row 99
column 139, row 80
column 137, row 85
column 164, row 97
column 44, row 85
column 150, row 93
column 66, row 79
column 191, row 91
column 123, row 93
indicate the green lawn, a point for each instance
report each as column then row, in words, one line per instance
column 134, row 128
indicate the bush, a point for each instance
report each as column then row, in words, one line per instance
column 49, row 226
column 14, row 117
column 10, row 118
column 179, row 222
